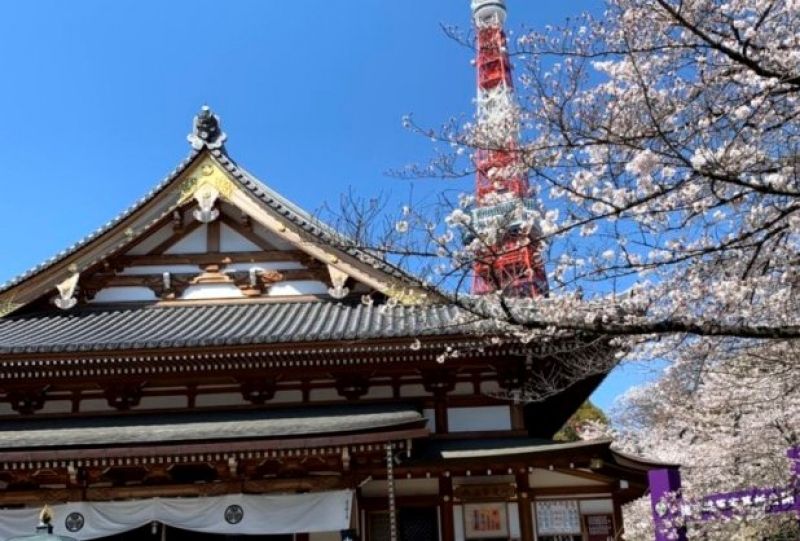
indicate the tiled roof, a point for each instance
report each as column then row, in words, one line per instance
column 310, row 224
column 153, row 326
column 203, row 426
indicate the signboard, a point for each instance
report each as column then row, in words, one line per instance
column 599, row 527
column 558, row 517
column 485, row 520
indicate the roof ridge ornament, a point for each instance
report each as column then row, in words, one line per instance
column 206, row 130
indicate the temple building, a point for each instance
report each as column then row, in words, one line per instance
column 216, row 362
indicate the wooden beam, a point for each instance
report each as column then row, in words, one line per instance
column 213, row 237
column 148, row 280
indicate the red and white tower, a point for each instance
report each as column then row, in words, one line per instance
column 504, row 210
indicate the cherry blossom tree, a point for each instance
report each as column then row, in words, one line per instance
column 662, row 142
column 728, row 419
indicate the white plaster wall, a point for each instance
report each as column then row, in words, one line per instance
column 271, row 237
column 458, row 522
column 286, row 397
column 298, row 287
column 159, row 402
column 159, row 269
column 271, row 265
column 479, row 418
column 152, row 241
column 124, row 294
column 95, row 404
column 56, row 406
column 212, row 291
column 379, row 391
column 413, row 390
column 489, row 387
column 430, row 415
column 462, row 388
column 592, row 507
column 193, row 243
column 545, row 478
column 219, row 399
column 513, row 520
column 319, row 395
column 231, row 241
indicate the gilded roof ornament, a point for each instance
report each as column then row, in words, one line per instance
column 206, row 130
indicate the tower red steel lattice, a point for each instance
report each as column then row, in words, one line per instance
column 513, row 263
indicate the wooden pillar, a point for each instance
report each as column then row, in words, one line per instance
column 619, row 526
column 440, row 412
column 446, row 509
column 524, row 506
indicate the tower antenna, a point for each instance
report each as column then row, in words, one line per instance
column 511, row 262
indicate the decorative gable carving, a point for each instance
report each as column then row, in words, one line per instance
column 208, row 195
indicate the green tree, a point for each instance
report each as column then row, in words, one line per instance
column 588, row 412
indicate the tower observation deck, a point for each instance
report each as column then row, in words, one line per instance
column 512, row 262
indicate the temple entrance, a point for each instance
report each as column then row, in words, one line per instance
column 159, row 532
column 413, row 524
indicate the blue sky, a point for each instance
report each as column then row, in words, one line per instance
column 98, row 98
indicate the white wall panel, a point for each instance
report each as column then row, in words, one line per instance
column 546, row 478
column 513, row 520
column 265, row 265
column 56, row 406
column 325, row 394
column 286, row 397
column 298, row 288
column 219, row 399
column 463, row 388
column 152, row 241
column 193, row 243
column 160, row 269
column 231, row 241
column 212, row 291
column 479, row 418
column 430, row 415
column 95, row 404
column 124, row 294
column 458, row 522
column 271, row 237
column 158, row 402
column 413, row 390
column 380, row 391
column 591, row 507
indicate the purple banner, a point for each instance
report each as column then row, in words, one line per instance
column 671, row 513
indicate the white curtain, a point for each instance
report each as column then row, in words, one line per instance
column 246, row 514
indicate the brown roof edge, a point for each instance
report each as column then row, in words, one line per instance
column 413, row 432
